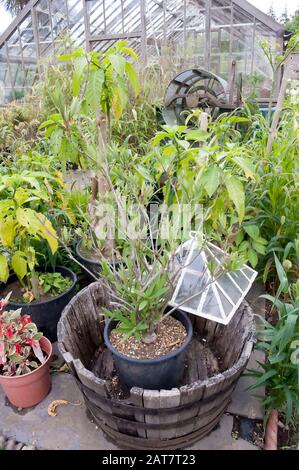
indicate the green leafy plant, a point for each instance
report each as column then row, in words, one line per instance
column 138, row 123
column 19, row 124
column 81, row 132
column 273, row 198
column 22, row 222
column 139, row 300
column 277, row 61
column 143, row 283
column 54, row 283
column 99, row 90
column 210, row 168
column 280, row 373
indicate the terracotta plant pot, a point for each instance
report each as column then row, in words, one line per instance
column 29, row 389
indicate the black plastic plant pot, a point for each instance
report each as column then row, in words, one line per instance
column 46, row 314
column 92, row 265
column 163, row 372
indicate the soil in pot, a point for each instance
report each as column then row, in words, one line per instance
column 171, row 334
column 17, row 292
column 27, row 390
column 162, row 371
column 44, row 313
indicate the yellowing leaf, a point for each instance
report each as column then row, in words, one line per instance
column 246, row 165
column 48, row 233
column 129, row 51
column 19, row 264
column 116, row 104
column 4, row 271
column 28, row 218
column 21, row 196
column 133, row 77
column 7, row 231
column 60, row 178
column 168, row 151
column 5, row 206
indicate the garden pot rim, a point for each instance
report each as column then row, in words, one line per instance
column 43, row 339
column 154, row 360
column 89, row 260
column 72, row 276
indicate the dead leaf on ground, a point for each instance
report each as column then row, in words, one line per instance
column 52, row 408
column 64, row 368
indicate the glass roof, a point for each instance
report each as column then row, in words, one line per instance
column 205, row 288
column 179, row 34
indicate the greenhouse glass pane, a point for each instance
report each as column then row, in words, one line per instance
column 59, row 16
column 229, row 288
column 31, row 72
column 196, row 262
column 132, row 16
column 216, row 251
column 211, row 305
column 227, row 306
column 191, row 284
column 76, row 21
column 13, row 45
column 250, row 273
column 240, row 279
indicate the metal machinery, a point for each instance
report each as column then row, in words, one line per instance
column 198, row 88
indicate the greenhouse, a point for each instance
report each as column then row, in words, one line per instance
column 180, row 34
column 149, row 230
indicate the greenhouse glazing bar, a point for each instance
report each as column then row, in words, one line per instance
column 199, row 33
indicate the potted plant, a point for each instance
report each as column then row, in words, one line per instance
column 148, row 345
column 147, row 339
column 25, row 356
column 28, row 241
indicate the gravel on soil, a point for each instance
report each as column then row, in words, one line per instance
column 171, row 333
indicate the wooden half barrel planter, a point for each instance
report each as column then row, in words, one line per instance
column 153, row 419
